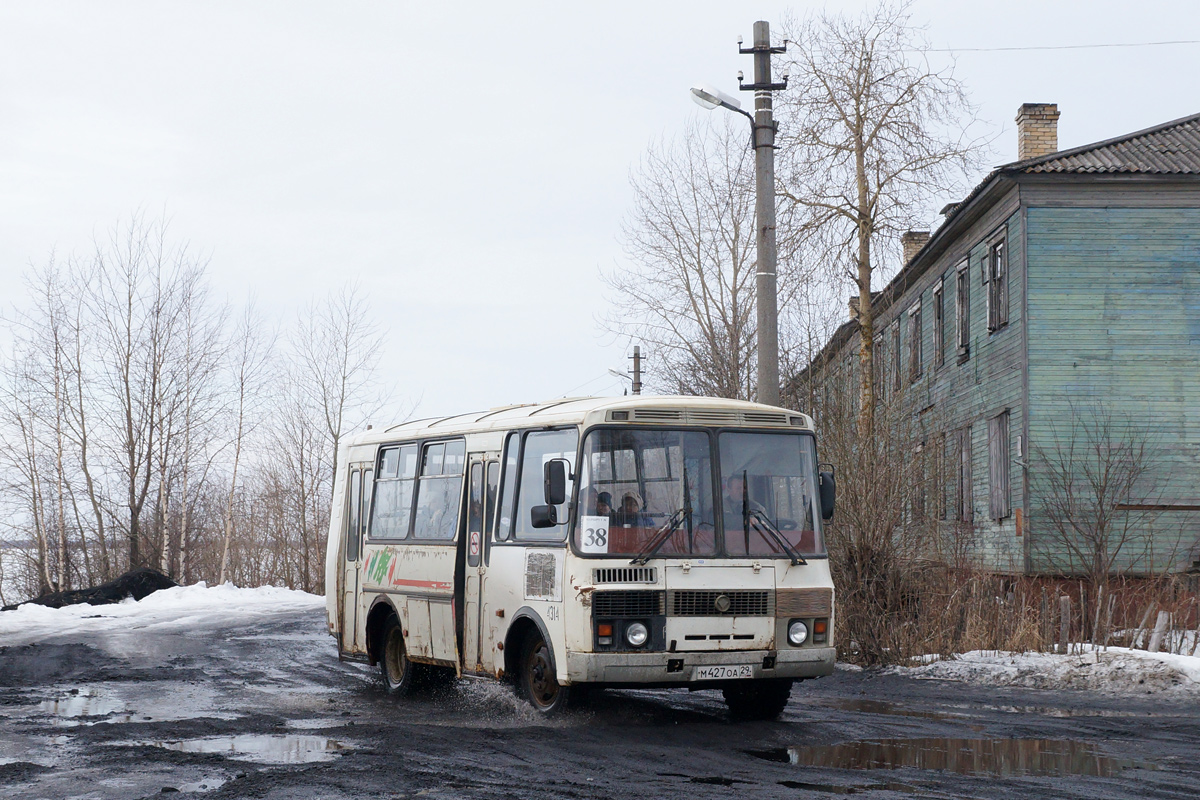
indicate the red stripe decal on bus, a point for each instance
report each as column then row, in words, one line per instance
column 423, row 584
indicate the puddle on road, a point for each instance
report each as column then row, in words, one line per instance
column 124, row 703
column 999, row 757
column 263, row 749
column 883, row 707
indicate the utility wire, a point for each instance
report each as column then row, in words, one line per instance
column 1057, row 47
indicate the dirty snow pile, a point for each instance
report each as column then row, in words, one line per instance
column 180, row 607
column 1116, row 670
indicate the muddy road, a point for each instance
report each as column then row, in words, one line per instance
column 262, row 708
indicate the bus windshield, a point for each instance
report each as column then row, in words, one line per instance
column 769, row 493
column 651, row 493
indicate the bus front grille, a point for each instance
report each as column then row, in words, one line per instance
column 746, row 603
column 632, row 603
column 625, row 575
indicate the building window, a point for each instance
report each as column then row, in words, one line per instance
column 998, row 465
column 921, row 454
column 915, row 357
column 878, row 373
column 895, row 356
column 966, row 494
column 962, row 307
column 997, row 272
column 939, row 322
column 941, row 487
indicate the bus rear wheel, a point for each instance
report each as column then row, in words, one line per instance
column 399, row 674
column 758, row 700
column 536, row 680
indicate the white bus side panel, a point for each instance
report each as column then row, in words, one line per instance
column 525, row 577
column 420, row 579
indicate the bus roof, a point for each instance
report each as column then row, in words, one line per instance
column 645, row 409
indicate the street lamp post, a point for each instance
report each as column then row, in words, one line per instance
column 763, row 129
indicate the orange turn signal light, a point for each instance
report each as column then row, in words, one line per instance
column 819, row 626
column 604, row 630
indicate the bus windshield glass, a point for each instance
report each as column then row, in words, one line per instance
column 768, row 483
column 644, row 490
column 650, row 493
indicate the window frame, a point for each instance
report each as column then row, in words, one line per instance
column 996, row 266
column 999, row 466
column 962, row 311
column 511, row 540
column 939, row 323
column 966, row 475
column 408, row 537
column 916, row 354
column 894, row 357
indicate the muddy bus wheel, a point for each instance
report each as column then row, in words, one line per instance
column 399, row 674
column 537, row 681
column 758, row 700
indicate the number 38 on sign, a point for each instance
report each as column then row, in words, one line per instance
column 593, row 534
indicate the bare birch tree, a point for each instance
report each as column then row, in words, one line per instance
column 689, row 291
column 250, row 365
column 869, row 132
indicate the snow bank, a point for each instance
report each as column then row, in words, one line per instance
column 193, row 606
column 1115, row 670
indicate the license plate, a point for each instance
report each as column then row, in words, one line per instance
column 723, row 672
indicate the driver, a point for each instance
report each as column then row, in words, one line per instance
column 735, row 493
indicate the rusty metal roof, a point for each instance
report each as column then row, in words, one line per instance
column 1172, row 148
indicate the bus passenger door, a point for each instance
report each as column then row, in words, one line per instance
column 484, row 475
column 356, row 501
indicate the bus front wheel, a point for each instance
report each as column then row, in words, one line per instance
column 758, row 700
column 537, row 681
column 399, row 674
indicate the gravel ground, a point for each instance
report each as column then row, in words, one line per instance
column 262, row 708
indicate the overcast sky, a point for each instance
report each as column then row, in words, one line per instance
column 466, row 163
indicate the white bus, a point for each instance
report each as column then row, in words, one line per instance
column 584, row 543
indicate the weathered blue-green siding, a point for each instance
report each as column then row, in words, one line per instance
column 1114, row 318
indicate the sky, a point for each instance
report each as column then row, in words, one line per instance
column 465, row 164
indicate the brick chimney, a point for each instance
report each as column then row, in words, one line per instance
column 1037, row 130
column 912, row 242
column 854, row 306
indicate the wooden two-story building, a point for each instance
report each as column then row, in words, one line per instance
column 1062, row 292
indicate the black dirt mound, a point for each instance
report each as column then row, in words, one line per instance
column 136, row 583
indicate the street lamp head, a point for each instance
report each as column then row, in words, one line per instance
column 708, row 97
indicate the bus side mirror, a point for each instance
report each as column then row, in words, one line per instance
column 828, row 492
column 543, row 516
column 556, row 482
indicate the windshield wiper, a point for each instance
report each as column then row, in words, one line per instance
column 664, row 533
column 763, row 523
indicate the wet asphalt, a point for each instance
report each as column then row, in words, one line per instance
column 265, row 710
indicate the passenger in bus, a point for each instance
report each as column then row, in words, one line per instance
column 629, row 515
column 604, row 505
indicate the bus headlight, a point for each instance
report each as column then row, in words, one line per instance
column 636, row 634
column 797, row 633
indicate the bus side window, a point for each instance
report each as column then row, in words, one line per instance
column 508, row 487
column 489, row 507
column 352, row 519
column 475, row 515
column 540, row 447
column 392, row 507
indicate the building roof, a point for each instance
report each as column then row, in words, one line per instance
column 1172, row 148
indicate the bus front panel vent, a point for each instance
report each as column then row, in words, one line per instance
column 765, row 418
column 657, row 415
column 625, row 575
column 703, row 603
column 632, row 603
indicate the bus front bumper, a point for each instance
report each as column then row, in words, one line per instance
column 685, row 669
